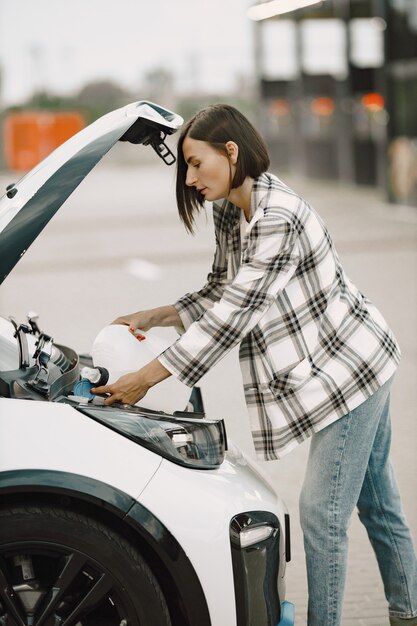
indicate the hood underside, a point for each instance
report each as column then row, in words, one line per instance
column 28, row 205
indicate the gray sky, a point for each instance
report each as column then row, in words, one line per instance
column 62, row 44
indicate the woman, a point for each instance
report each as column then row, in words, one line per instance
column 317, row 357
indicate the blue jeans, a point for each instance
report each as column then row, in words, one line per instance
column 348, row 466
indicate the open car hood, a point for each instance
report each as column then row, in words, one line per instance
column 29, row 204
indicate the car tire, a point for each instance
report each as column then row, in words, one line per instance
column 63, row 567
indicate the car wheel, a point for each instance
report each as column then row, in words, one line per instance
column 62, row 568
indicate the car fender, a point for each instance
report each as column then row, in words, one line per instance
column 205, row 503
column 36, row 435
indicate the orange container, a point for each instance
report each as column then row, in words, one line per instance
column 31, row 135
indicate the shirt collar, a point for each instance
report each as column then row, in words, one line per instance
column 260, row 189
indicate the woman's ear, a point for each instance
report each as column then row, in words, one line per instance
column 232, row 151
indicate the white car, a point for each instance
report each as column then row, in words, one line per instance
column 119, row 516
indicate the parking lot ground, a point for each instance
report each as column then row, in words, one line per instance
column 117, row 246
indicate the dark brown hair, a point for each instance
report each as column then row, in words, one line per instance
column 217, row 124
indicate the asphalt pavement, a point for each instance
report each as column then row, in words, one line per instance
column 117, row 246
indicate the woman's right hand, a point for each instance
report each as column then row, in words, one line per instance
column 142, row 320
column 145, row 320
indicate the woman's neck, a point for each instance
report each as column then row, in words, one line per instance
column 241, row 196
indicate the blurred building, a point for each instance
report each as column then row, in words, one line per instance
column 338, row 86
column 30, row 136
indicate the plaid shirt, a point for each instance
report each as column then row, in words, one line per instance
column 312, row 347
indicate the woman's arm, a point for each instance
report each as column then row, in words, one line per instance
column 270, row 263
column 193, row 305
column 145, row 320
column 132, row 387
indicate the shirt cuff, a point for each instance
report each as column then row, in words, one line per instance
column 185, row 317
column 175, row 371
column 177, row 361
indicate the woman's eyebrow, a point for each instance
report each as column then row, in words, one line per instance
column 190, row 159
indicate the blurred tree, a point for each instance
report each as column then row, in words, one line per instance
column 47, row 101
column 93, row 100
column 104, row 93
column 159, row 86
column 188, row 105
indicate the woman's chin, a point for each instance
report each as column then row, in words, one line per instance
column 210, row 196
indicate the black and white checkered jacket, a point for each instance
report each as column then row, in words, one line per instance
column 312, row 347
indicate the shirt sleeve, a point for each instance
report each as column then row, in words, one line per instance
column 271, row 259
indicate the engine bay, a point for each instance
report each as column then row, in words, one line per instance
column 34, row 367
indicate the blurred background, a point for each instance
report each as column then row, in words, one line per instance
column 332, row 86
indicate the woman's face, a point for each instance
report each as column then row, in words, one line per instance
column 209, row 171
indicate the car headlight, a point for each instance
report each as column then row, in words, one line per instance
column 196, row 443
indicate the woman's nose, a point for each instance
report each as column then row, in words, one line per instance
column 191, row 178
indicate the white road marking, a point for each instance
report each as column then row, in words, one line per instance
column 143, row 269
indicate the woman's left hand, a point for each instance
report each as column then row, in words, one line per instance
column 128, row 389
column 132, row 387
